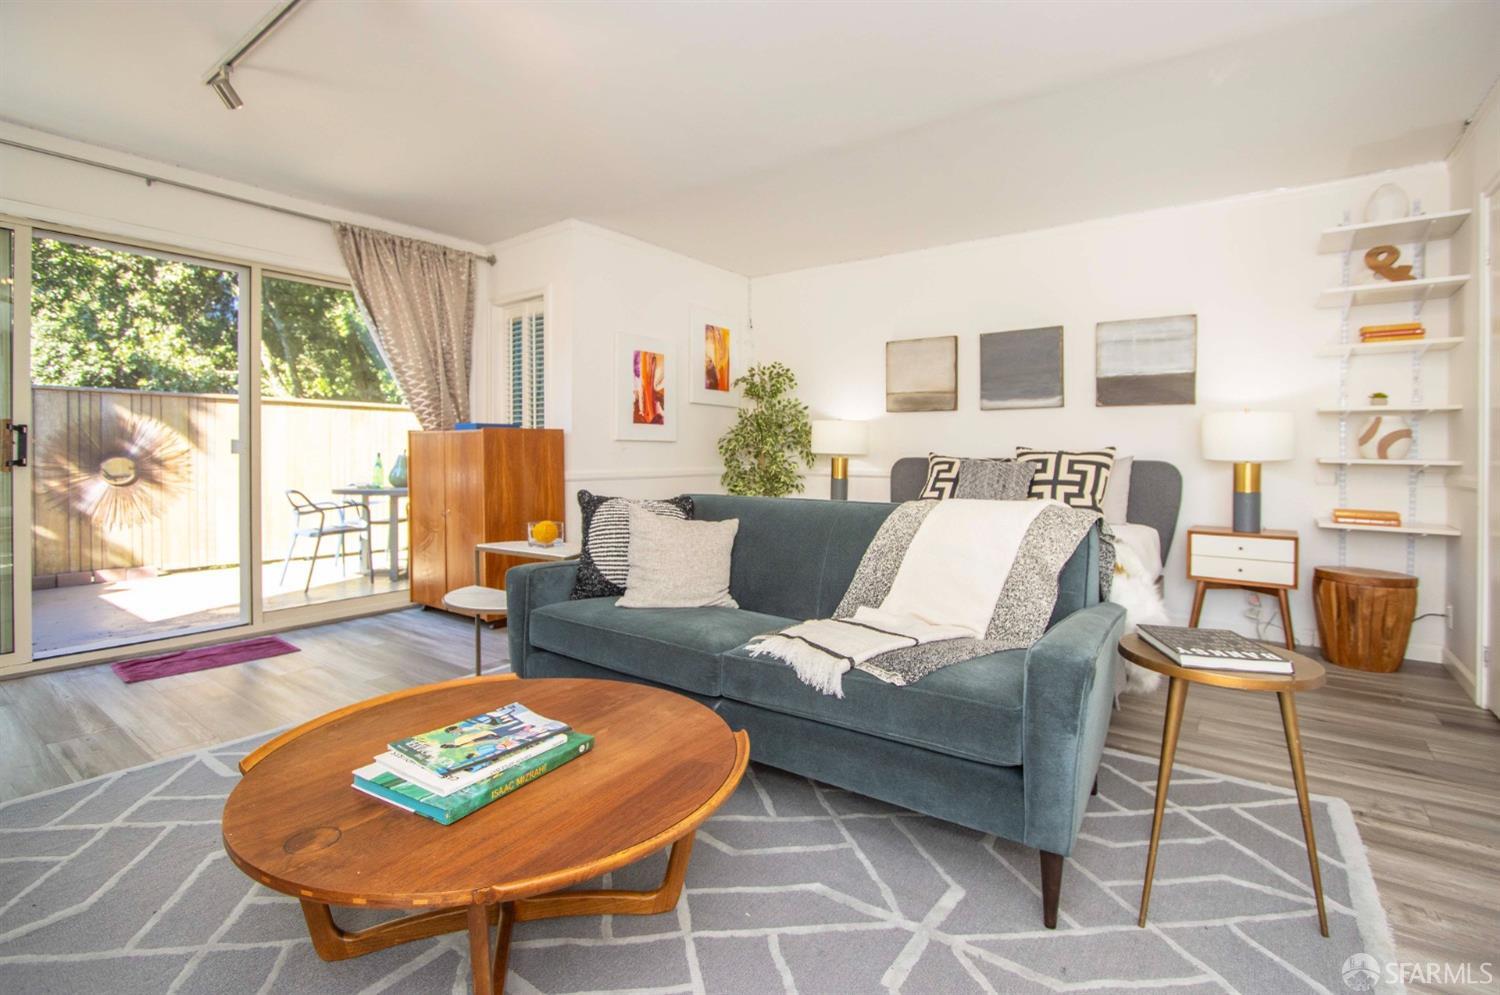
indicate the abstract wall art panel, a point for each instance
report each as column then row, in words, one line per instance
column 1021, row 369
column 922, row 374
column 719, row 353
column 1146, row 361
column 645, row 389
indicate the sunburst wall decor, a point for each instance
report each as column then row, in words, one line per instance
column 123, row 474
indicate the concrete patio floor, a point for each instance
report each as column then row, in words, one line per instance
column 97, row 616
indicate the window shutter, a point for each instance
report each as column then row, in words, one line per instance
column 526, row 362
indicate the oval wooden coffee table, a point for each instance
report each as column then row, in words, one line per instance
column 1306, row 674
column 661, row 764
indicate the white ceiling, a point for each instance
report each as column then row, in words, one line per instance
column 761, row 137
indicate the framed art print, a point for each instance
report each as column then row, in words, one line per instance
column 646, row 387
column 1021, row 369
column 922, row 374
column 718, row 352
column 1146, row 361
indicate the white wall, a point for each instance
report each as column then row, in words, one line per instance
column 599, row 284
column 1473, row 168
column 1246, row 266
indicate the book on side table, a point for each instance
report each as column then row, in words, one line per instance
column 1214, row 649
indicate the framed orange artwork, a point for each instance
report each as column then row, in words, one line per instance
column 646, row 388
column 719, row 354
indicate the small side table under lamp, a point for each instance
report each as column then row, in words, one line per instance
column 840, row 440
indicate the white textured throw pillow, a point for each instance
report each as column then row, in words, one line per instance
column 678, row 564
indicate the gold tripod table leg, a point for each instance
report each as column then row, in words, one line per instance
column 1176, row 698
column 1299, row 777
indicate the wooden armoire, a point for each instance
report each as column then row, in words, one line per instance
column 473, row 486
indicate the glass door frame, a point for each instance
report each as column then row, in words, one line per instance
column 20, row 414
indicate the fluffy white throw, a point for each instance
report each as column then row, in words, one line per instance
column 946, row 587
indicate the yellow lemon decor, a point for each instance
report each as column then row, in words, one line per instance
column 544, row 533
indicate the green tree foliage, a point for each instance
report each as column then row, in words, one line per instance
column 768, row 439
column 315, row 343
column 103, row 318
column 107, row 318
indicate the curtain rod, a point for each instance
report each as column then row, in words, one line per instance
column 151, row 178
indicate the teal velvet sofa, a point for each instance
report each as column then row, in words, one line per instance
column 1007, row 743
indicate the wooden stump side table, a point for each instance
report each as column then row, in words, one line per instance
column 1306, row 675
column 1364, row 616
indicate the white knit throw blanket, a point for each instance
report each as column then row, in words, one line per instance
column 947, row 586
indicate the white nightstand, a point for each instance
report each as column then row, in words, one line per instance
column 1263, row 562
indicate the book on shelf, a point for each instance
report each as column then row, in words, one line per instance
column 443, row 785
column 1214, row 649
column 378, row 782
column 480, row 739
column 1366, row 516
column 1400, row 326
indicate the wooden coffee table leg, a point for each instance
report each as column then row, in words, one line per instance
column 487, row 960
column 1299, row 778
column 1176, row 698
column 615, row 902
column 333, row 943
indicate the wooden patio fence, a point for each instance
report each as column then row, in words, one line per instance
column 182, row 509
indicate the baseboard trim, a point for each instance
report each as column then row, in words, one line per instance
column 1462, row 674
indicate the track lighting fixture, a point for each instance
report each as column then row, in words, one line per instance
column 225, row 89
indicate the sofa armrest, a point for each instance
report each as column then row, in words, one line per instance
column 1070, row 687
column 527, row 588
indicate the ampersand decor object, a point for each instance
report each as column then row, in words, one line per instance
column 1382, row 261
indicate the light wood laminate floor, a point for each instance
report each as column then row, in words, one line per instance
column 1419, row 764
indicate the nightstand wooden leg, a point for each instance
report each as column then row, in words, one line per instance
column 1176, row 699
column 1286, row 619
column 1299, row 777
column 1198, row 603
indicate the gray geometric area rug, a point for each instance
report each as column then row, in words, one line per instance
column 121, row 885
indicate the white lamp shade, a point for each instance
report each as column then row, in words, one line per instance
column 1249, row 436
column 831, row 437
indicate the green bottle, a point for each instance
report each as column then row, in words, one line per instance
column 379, row 479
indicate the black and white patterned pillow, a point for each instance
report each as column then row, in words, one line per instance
column 1077, row 479
column 942, row 477
column 994, row 479
column 605, row 562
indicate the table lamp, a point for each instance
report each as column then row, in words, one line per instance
column 840, row 439
column 1247, row 439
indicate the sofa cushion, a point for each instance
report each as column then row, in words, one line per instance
column 679, row 647
column 970, row 709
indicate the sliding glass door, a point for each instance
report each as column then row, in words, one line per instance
column 15, row 587
column 140, row 435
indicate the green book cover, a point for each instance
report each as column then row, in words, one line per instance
column 375, row 780
column 479, row 739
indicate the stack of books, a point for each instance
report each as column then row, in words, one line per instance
column 1404, row 332
column 448, row 773
column 1214, row 649
column 1366, row 516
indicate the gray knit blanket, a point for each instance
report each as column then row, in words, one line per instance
column 898, row 638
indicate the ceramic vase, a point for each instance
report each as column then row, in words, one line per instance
column 397, row 476
column 1384, row 437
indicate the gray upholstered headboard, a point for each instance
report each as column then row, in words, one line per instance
column 1155, row 493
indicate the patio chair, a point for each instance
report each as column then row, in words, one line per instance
column 350, row 520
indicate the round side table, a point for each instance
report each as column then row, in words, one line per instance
column 1306, row 675
column 481, row 601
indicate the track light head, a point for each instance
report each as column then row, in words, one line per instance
column 221, row 85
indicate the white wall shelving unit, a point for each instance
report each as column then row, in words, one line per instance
column 1417, row 230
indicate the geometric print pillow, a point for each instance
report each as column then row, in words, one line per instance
column 605, row 561
column 942, row 477
column 1077, row 479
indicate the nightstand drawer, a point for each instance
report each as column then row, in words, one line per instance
column 1236, row 569
column 1242, row 547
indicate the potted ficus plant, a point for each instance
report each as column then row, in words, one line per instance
column 769, row 438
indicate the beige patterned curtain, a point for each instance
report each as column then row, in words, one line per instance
column 421, row 298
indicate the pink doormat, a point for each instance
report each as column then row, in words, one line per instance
column 148, row 668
